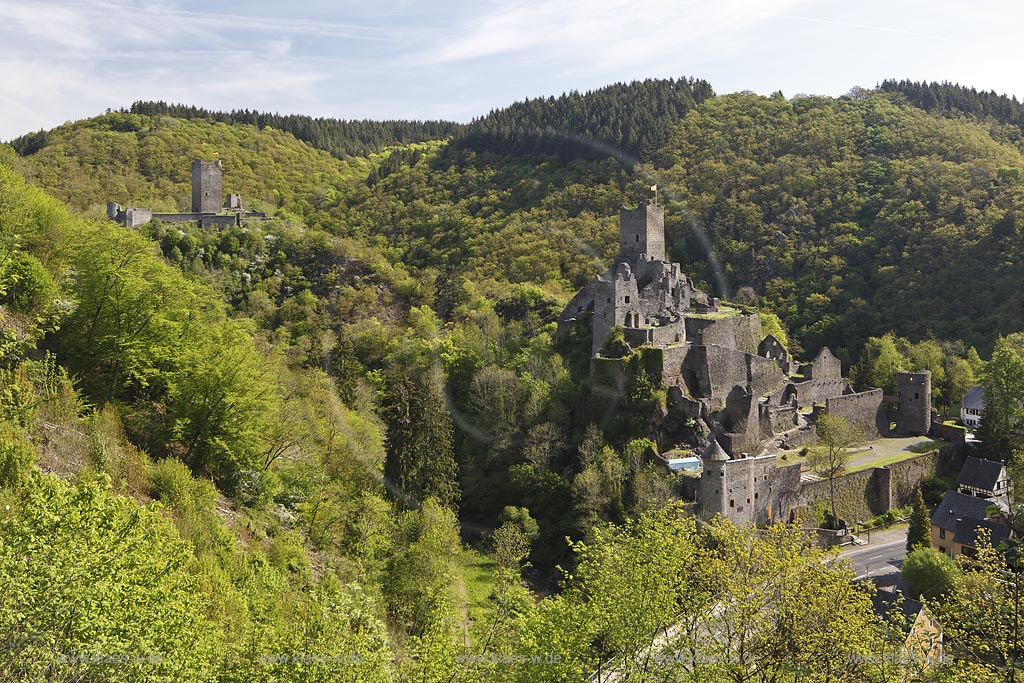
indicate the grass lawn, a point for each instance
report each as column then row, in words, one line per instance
column 478, row 578
column 882, row 452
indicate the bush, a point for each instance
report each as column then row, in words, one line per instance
column 174, row 485
column 16, row 457
column 928, row 572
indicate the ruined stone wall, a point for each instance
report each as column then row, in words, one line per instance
column 802, row 437
column 135, row 217
column 655, row 336
column 672, row 360
column 865, row 494
column 219, row 222
column 783, row 493
column 857, row 496
column 741, row 332
column 906, row 477
column 178, row 217
column 825, row 367
column 864, row 412
column 815, row 391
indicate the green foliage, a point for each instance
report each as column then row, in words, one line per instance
column 836, row 434
column 421, row 573
column 929, row 572
column 919, row 535
column 520, row 517
column 420, row 462
column 879, row 363
column 1002, row 419
column 219, row 398
column 95, row 587
column 623, row 120
column 341, row 138
column 771, row 324
column 16, row 457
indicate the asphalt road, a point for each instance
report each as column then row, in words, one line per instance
column 881, row 557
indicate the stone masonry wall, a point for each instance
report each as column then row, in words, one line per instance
column 863, row 411
column 741, row 332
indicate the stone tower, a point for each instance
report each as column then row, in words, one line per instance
column 206, row 186
column 713, row 480
column 642, row 234
column 915, row 393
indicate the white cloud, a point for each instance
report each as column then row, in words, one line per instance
column 615, row 32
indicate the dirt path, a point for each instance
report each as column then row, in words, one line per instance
column 462, row 603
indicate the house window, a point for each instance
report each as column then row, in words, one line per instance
column 916, row 395
column 942, row 548
column 755, row 497
column 627, row 299
column 942, row 533
column 732, row 503
column 638, row 239
column 748, row 501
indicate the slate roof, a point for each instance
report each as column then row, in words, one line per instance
column 714, row 452
column 980, row 474
column 967, row 532
column 975, row 398
column 958, row 506
column 884, row 604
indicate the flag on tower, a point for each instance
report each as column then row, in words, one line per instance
column 654, row 187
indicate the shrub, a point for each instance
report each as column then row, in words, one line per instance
column 174, row 485
column 16, row 457
column 928, row 572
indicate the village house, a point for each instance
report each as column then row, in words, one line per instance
column 958, row 520
column 971, row 408
column 921, row 633
column 983, row 479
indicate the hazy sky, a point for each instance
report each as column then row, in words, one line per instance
column 457, row 59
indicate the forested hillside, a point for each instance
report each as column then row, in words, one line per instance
column 341, row 138
column 957, row 100
column 625, row 121
column 352, row 428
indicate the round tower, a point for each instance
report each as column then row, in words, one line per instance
column 713, row 480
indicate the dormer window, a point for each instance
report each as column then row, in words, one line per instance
column 638, row 239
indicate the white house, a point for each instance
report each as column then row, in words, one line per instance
column 971, row 407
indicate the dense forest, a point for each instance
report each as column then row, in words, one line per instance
column 630, row 122
column 341, row 138
column 346, row 443
column 956, row 100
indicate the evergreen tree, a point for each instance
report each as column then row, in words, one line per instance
column 420, row 455
column 919, row 535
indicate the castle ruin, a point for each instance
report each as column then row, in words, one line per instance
column 206, row 209
column 741, row 388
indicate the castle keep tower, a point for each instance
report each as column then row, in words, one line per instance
column 206, row 186
column 915, row 392
column 642, row 232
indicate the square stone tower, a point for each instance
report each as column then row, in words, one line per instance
column 206, row 186
column 642, row 233
column 915, row 393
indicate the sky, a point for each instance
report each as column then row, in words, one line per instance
column 458, row 59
